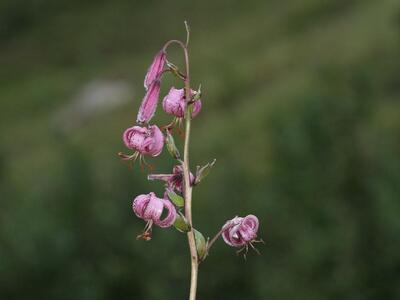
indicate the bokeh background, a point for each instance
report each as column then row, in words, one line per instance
column 300, row 108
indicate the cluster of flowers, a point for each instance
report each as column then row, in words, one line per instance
column 145, row 139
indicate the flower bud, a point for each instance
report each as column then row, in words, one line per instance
column 149, row 103
column 202, row 172
column 150, row 208
column 145, row 140
column 174, row 180
column 177, row 180
column 171, row 147
column 155, row 69
column 174, row 103
column 240, row 231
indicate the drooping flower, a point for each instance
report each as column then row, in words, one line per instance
column 150, row 208
column 174, row 180
column 239, row 232
column 155, row 69
column 145, row 140
column 149, row 103
column 174, row 103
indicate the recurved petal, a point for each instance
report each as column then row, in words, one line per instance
column 173, row 101
column 252, row 222
column 139, row 205
column 171, row 215
column 247, row 233
column 196, row 108
column 154, row 208
column 158, row 141
column 133, row 135
column 235, row 236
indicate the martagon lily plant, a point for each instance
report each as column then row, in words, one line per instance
column 146, row 139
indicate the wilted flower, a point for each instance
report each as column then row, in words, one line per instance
column 174, row 103
column 150, row 208
column 149, row 103
column 145, row 140
column 174, row 180
column 239, row 232
column 155, row 69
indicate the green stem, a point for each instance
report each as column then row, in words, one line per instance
column 186, row 169
column 188, row 187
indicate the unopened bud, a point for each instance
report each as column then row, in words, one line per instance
column 197, row 95
column 171, row 147
column 203, row 171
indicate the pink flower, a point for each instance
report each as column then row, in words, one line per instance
column 149, row 103
column 239, row 231
column 155, row 69
column 174, row 180
column 174, row 103
column 145, row 140
column 150, row 208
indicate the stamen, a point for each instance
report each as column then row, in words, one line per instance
column 171, row 125
column 141, row 164
column 179, row 129
column 130, row 159
column 258, row 241
column 146, row 234
column 144, row 163
column 254, row 248
column 124, row 156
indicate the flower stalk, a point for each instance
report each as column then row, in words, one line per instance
column 148, row 140
column 186, row 175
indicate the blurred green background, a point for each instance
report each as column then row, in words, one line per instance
column 300, row 108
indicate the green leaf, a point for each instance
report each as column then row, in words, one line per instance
column 200, row 244
column 176, row 199
column 181, row 224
